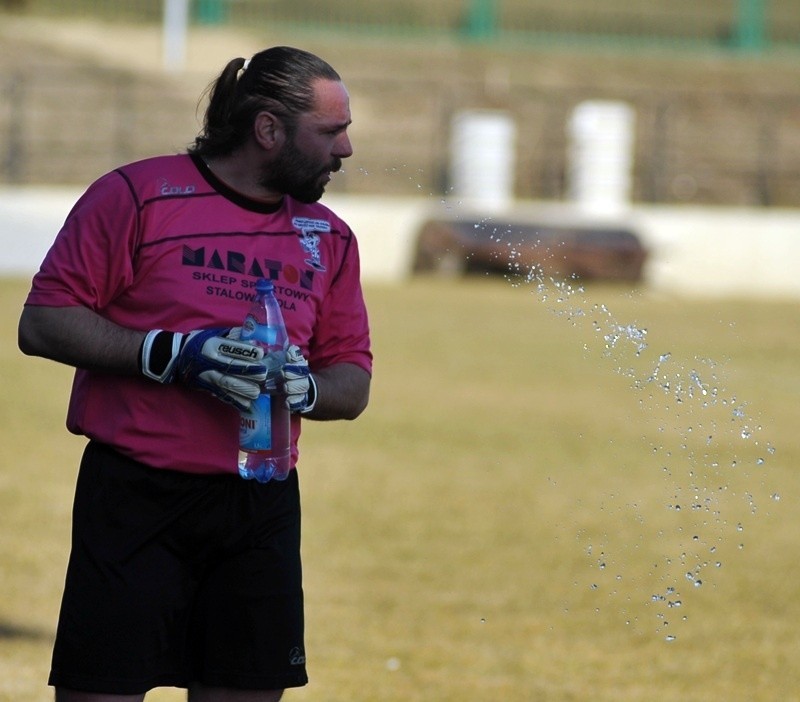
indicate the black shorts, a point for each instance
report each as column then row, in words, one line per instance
column 177, row 578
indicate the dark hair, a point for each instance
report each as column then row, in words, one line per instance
column 278, row 80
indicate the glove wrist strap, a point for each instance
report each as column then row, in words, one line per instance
column 158, row 354
column 312, row 395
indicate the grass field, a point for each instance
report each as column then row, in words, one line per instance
column 543, row 502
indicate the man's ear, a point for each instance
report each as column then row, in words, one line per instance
column 268, row 130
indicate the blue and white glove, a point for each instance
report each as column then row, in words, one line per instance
column 298, row 383
column 206, row 359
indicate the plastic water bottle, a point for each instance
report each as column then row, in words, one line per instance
column 264, row 429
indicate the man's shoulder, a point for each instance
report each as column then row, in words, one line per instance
column 154, row 165
column 163, row 176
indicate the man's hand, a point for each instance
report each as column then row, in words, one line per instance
column 206, row 359
column 298, row 383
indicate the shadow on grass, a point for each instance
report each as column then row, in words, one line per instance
column 10, row 631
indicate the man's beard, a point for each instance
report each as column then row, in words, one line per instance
column 295, row 175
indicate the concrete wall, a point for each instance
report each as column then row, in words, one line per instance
column 693, row 251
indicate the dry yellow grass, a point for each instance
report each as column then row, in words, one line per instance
column 515, row 516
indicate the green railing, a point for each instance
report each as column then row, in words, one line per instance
column 746, row 25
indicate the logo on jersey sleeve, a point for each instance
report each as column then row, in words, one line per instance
column 167, row 188
column 309, row 239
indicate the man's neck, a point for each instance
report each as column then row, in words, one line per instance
column 242, row 177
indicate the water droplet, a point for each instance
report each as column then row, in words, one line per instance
column 393, row 664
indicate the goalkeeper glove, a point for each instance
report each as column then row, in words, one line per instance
column 298, row 383
column 206, row 359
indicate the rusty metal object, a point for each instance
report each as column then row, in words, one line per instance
column 558, row 251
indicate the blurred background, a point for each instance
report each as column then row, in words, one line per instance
column 678, row 124
column 713, row 85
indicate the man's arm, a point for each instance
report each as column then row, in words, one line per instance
column 342, row 392
column 79, row 337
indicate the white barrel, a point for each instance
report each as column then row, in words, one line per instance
column 482, row 157
column 600, row 158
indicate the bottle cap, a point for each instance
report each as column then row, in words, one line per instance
column 264, row 286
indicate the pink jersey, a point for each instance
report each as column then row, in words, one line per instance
column 163, row 244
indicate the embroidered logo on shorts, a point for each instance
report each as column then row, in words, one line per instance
column 297, row 656
column 309, row 239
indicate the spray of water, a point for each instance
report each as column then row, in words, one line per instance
column 688, row 397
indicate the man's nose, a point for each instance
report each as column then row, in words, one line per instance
column 343, row 148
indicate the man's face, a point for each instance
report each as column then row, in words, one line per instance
column 304, row 165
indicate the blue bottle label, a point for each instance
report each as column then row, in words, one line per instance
column 255, row 425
